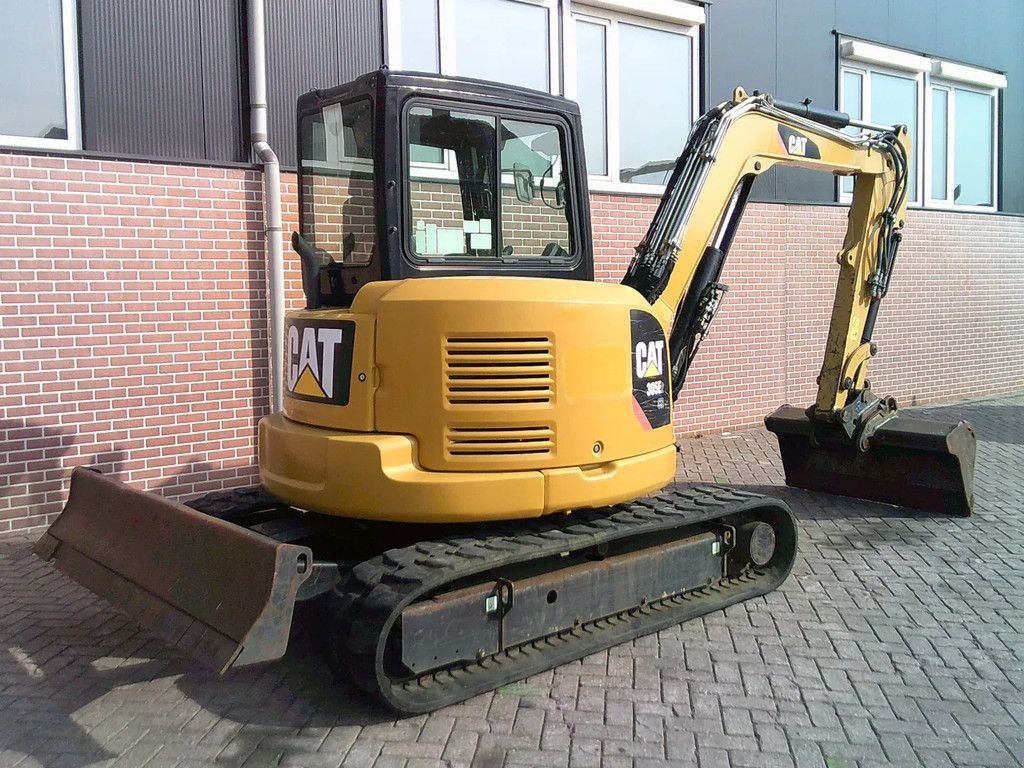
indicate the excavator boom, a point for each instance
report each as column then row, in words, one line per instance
column 850, row 441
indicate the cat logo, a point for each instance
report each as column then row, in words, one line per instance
column 796, row 144
column 648, row 356
column 319, row 360
column 648, row 360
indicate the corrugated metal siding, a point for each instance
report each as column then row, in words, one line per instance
column 315, row 44
column 161, row 79
column 226, row 124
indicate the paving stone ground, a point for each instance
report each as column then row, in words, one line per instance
column 897, row 640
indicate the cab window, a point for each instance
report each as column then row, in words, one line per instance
column 485, row 190
column 336, row 181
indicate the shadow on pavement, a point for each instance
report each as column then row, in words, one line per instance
column 50, row 709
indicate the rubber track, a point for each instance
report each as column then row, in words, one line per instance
column 378, row 589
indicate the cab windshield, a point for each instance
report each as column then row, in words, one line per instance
column 483, row 189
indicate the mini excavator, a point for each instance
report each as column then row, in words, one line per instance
column 471, row 473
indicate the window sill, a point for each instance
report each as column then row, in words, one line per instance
column 32, row 142
column 604, row 186
column 933, row 205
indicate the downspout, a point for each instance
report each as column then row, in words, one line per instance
column 271, row 193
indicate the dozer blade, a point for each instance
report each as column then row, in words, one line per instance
column 911, row 462
column 222, row 593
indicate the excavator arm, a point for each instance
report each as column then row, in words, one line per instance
column 678, row 264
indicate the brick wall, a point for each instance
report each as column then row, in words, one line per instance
column 132, row 327
column 133, row 323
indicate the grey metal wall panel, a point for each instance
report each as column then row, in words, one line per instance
column 226, row 124
column 806, row 69
column 863, row 18
column 741, row 47
column 742, row 50
column 154, row 73
column 1012, row 138
column 915, row 24
column 315, row 44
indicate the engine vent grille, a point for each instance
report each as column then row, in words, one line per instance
column 533, row 441
column 502, row 371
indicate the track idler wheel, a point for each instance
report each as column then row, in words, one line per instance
column 755, row 542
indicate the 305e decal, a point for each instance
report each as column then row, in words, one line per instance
column 649, row 362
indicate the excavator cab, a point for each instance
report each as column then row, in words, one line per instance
column 408, row 175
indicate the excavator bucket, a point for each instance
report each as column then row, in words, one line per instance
column 222, row 593
column 911, row 462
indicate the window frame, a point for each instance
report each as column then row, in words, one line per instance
column 610, row 19
column 448, row 65
column 864, row 69
column 471, row 264
column 72, row 97
column 950, row 87
column 862, row 58
column 337, row 164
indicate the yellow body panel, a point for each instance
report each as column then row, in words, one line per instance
column 565, row 343
column 378, row 477
column 471, row 398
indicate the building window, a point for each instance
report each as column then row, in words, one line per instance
column 39, row 82
column 632, row 133
column 950, row 110
column 887, row 97
column 963, row 146
column 509, row 41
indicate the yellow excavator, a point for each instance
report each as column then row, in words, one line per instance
column 472, row 469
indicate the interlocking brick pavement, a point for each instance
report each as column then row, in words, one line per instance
column 897, row 640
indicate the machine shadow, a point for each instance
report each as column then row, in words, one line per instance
column 51, row 676
column 849, row 524
column 55, row 681
column 298, row 691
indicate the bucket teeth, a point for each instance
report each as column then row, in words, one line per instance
column 910, row 461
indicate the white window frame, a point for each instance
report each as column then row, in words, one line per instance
column 686, row 20
column 861, row 57
column 917, row 145
column 950, row 87
column 69, row 40
column 446, row 37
